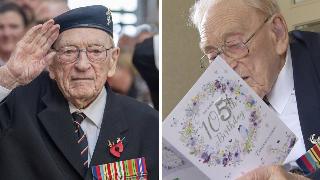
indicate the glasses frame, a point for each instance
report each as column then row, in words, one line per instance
column 243, row 44
column 79, row 50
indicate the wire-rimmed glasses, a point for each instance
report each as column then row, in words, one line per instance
column 70, row 54
column 235, row 49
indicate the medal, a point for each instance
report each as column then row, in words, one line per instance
column 314, row 140
column 116, row 148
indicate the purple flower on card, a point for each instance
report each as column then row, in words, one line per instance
column 224, row 88
column 231, row 89
column 191, row 142
column 225, row 161
column 206, row 157
column 217, row 84
column 292, row 142
column 236, row 154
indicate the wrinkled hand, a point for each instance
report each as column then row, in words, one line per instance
column 271, row 173
column 32, row 55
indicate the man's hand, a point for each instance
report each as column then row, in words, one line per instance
column 30, row 57
column 271, row 173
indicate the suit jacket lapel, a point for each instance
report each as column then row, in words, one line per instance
column 113, row 126
column 57, row 120
column 306, row 82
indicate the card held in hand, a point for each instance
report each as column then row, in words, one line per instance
column 224, row 128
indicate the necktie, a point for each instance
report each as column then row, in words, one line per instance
column 78, row 117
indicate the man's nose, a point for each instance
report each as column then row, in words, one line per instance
column 83, row 62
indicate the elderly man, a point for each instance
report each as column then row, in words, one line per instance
column 65, row 124
column 281, row 67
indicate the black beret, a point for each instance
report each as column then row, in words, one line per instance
column 96, row 16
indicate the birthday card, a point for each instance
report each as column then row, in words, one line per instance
column 224, row 128
column 176, row 167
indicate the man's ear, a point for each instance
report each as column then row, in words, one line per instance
column 51, row 74
column 280, row 33
column 113, row 61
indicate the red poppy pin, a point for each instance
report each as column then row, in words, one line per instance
column 116, row 148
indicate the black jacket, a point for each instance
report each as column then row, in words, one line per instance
column 37, row 139
column 144, row 61
column 305, row 52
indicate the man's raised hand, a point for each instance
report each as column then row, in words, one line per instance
column 31, row 56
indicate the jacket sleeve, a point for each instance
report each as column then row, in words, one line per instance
column 5, row 110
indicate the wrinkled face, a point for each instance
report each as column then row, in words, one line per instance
column 232, row 20
column 12, row 29
column 81, row 81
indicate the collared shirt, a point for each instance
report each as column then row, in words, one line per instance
column 283, row 101
column 91, row 124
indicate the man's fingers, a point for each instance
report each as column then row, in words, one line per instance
column 47, row 60
column 261, row 173
column 31, row 34
column 45, row 28
column 51, row 40
column 48, row 34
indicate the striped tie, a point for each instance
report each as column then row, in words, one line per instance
column 78, row 117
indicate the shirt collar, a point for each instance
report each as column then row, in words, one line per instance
column 95, row 110
column 282, row 89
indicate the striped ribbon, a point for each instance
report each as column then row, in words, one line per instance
column 310, row 161
column 133, row 169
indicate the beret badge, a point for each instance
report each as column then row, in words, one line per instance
column 108, row 13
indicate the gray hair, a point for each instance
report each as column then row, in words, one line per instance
column 198, row 10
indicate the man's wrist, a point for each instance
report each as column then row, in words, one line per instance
column 7, row 80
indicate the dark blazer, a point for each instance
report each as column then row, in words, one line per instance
column 305, row 52
column 37, row 139
column 144, row 61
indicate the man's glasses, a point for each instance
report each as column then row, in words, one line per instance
column 70, row 54
column 234, row 49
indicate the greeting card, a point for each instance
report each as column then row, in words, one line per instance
column 176, row 167
column 224, row 128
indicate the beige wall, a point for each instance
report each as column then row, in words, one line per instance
column 301, row 13
column 181, row 53
column 181, row 67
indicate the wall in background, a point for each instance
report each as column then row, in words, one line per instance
column 301, row 14
column 181, row 53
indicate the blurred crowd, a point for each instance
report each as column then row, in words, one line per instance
column 137, row 74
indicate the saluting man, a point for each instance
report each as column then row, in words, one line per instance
column 65, row 123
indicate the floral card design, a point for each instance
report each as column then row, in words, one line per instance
column 224, row 128
column 176, row 167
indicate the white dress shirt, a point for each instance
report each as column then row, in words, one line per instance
column 91, row 124
column 283, row 101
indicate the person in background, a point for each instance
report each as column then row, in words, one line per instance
column 29, row 7
column 122, row 81
column 49, row 9
column 13, row 24
column 127, row 80
column 146, row 61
